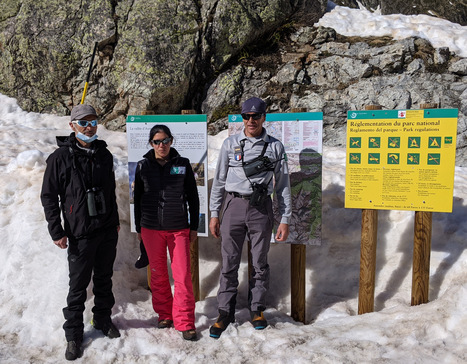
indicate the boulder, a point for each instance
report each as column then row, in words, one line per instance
column 152, row 55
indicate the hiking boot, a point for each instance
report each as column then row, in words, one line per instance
column 258, row 321
column 165, row 324
column 107, row 328
column 190, row 335
column 73, row 350
column 221, row 324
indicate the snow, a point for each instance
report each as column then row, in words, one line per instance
column 34, row 273
column 361, row 22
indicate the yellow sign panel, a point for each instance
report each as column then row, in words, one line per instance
column 401, row 159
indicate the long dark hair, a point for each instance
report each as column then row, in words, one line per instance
column 160, row 128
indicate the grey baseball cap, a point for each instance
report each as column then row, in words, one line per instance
column 80, row 111
column 254, row 104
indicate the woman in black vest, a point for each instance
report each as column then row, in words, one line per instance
column 164, row 186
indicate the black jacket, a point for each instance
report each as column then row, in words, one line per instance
column 70, row 171
column 162, row 192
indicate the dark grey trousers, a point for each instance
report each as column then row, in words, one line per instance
column 240, row 221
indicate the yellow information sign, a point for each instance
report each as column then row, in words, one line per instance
column 401, row 159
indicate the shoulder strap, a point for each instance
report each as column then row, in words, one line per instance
column 242, row 144
column 78, row 167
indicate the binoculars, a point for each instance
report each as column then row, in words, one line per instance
column 96, row 201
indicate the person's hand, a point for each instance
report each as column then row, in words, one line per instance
column 118, row 229
column 193, row 236
column 139, row 237
column 62, row 243
column 214, row 227
column 282, row 232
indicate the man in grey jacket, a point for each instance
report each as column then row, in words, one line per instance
column 243, row 184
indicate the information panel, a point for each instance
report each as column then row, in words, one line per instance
column 302, row 136
column 190, row 140
column 401, row 159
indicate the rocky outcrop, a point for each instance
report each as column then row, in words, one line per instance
column 453, row 10
column 154, row 55
column 321, row 71
column 209, row 55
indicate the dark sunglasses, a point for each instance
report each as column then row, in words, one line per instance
column 163, row 141
column 255, row 116
column 85, row 123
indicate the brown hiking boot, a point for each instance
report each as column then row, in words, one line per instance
column 190, row 335
column 165, row 324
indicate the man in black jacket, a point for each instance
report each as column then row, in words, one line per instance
column 79, row 187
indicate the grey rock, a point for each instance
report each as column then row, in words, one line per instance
column 441, row 55
column 211, row 55
column 463, row 103
column 415, row 66
column 349, row 73
column 224, row 93
column 157, row 56
column 303, row 35
column 313, row 102
column 287, row 73
column 459, row 67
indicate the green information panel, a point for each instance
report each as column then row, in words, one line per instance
column 190, row 140
column 302, row 137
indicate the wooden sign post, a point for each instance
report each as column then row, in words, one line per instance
column 297, row 272
column 414, row 153
column 297, row 277
column 422, row 250
column 366, row 288
column 421, row 257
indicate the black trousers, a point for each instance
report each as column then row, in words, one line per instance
column 96, row 255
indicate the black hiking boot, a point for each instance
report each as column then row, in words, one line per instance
column 107, row 328
column 73, row 350
column 143, row 259
column 224, row 319
column 258, row 321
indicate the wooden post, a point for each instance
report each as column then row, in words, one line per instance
column 421, row 257
column 297, row 272
column 422, row 249
column 297, row 286
column 194, row 249
column 366, row 290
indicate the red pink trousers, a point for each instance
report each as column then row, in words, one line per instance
column 179, row 307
